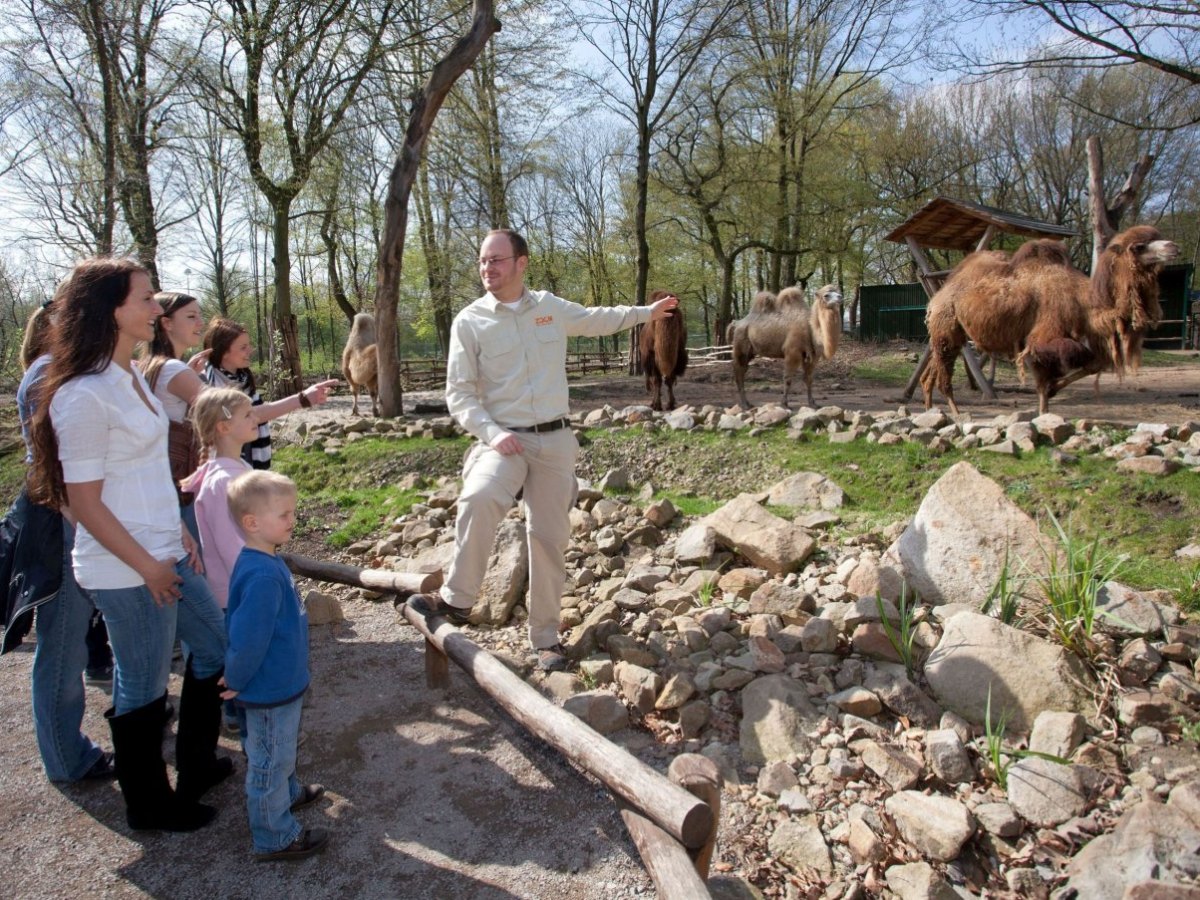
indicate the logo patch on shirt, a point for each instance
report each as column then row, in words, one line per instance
column 543, row 320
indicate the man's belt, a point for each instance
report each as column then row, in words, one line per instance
column 540, row 428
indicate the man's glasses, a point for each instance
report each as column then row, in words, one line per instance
column 484, row 263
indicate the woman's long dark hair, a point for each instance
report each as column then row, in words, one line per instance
column 160, row 349
column 82, row 343
column 219, row 337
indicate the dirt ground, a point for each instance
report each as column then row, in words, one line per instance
column 1155, row 394
column 431, row 793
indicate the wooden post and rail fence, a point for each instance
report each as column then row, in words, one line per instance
column 672, row 819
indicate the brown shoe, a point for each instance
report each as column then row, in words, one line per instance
column 433, row 605
column 552, row 659
column 309, row 794
column 311, row 840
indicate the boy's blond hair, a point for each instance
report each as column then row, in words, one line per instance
column 211, row 407
column 250, row 492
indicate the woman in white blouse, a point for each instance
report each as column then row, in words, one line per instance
column 100, row 454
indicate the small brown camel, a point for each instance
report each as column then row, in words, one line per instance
column 785, row 327
column 663, row 351
column 360, row 360
column 1038, row 310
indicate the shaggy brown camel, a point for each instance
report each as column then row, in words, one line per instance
column 360, row 360
column 1046, row 315
column 663, row 351
column 785, row 327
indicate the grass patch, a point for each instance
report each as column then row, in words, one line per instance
column 1143, row 517
column 891, row 369
column 359, row 485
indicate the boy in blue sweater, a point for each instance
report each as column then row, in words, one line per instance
column 266, row 667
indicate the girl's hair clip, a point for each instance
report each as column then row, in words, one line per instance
column 225, row 409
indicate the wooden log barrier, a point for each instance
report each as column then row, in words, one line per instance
column 683, row 816
column 402, row 583
column 668, row 862
column 699, row 776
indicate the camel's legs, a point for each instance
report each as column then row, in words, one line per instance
column 740, row 366
column 670, row 393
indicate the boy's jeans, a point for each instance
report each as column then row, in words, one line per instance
column 271, row 785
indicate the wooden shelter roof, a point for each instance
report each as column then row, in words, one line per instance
column 948, row 224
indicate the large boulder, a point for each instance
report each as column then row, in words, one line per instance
column 507, row 574
column 1153, row 842
column 766, row 540
column 1025, row 674
column 954, row 549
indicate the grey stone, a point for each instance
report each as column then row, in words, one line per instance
column 599, row 709
column 777, row 715
column 1133, row 612
column 1024, row 673
column 1151, row 842
column 937, row 826
column 999, row 819
column 918, row 881
column 955, row 547
column 799, row 844
column 1046, row 793
column 895, row 768
column 775, row 778
column 322, row 609
column 762, row 537
column 638, row 685
column 948, row 757
column 1057, row 733
column 806, row 490
column 891, row 685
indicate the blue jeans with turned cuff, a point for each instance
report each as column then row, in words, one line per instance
column 142, row 634
column 271, row 783
column 58, row 663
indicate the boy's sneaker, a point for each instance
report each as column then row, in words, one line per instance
column 433, row 605
column 552, row 659
column 100, row 677
column 232, row 727
column 311, row 840
column 309, row 794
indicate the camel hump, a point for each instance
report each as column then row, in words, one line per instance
column 791, row 299
column 1042, row 252
column 764, row 302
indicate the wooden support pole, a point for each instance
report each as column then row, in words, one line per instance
column 700, row 777
column 669, row 864
column 681, row 815
column 971, row 360
column 402, row 583
column 915, row 378
column 437, row 666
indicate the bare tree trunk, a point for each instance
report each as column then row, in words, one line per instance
column 329, row 237
column 404, row 172
column 1107, row 219
column 285, row 320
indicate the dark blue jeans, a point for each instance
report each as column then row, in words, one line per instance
column 58, row 662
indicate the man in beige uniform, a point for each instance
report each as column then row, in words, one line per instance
column 506, row 383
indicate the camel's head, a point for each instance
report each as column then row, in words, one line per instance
column 829, row 295
column 1144, row 244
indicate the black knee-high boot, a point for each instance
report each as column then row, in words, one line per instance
column 196, row 741
column 150, row 804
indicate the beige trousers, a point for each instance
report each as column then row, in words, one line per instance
column 546, row 471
